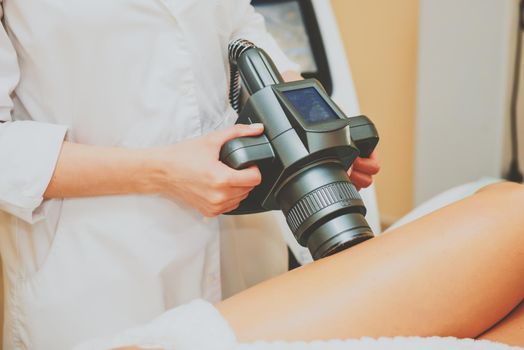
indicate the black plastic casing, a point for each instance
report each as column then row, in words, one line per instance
column 289, row 143
column 303, row 164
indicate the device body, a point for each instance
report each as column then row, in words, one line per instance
column 305, row 151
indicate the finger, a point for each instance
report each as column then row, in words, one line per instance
column 237, row 130
column 217, row 199
column 229, row 205
column 366, row 165
column 231, row 208
column 361, row 180
column 234, row 202
column 238, row 192
column 249, row 177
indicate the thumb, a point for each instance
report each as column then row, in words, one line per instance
column 238, row 130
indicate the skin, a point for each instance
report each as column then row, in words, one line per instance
column 510, row 330
column 206, row 185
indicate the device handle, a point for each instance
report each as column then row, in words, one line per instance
column 364, row 135
column 243, row 152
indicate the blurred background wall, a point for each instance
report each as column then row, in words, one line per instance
column 465, row 75
column 380, row 37
column 436, row 77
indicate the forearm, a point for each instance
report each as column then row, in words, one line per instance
column 85, row 170
column 455, row 272
column 189, row 171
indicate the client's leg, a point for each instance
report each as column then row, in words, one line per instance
column 455, row 272
column 510, row 330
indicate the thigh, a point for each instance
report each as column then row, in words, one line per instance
column 455, row 272
column 510, row 330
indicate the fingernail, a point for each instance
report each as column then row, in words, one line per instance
column 256, row 125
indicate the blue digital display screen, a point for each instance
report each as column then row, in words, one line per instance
column 311, row 105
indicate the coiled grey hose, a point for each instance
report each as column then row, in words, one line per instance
column 235, row 49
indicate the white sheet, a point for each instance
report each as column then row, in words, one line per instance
column 200, row 326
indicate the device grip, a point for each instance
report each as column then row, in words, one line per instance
column 243, row 152
column 364, row 135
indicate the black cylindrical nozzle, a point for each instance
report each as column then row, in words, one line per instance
column 323, row 209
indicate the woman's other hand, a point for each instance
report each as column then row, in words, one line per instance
column 191, row 171
column 363, row 169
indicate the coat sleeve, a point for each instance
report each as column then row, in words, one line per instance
column 28, row 149
column 248, row 24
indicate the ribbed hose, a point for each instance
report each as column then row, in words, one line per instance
column 235, row 49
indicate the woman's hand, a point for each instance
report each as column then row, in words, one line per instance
column 363, row 169
column 191, row 172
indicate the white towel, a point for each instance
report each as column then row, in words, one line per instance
column 199, row 326
column 397, row 343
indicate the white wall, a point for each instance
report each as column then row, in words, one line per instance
column 466, row 50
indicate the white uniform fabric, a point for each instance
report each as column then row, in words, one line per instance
column 200, row 326
column 134, row 73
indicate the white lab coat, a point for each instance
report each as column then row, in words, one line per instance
column 133, row 73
